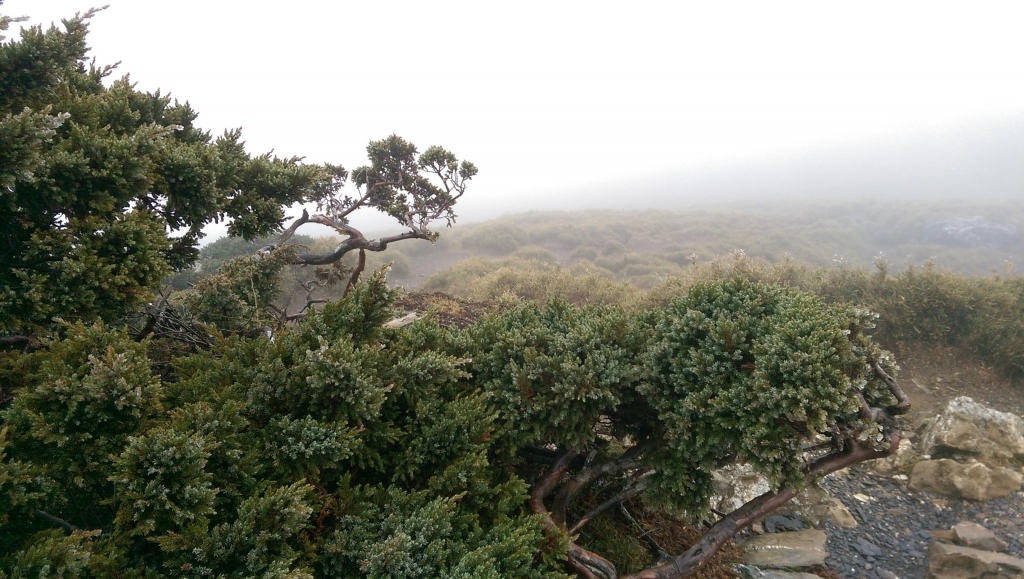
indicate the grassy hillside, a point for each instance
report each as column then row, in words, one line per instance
column 644, row 248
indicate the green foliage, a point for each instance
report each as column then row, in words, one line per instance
column 919, row 304
column 52, row 555
column 338, row 449
column 85, row 396
column 21, row 484
column 748, row 372
column 733, row 371
column 161, row 483
column 551, row 372
column 258, row 543
column 237, row 296
column 96, row 174
column 214, row 255
column 341, row 448
column 434, row 537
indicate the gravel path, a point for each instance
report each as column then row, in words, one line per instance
column 891, row 539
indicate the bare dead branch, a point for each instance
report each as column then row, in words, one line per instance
column 340, row 227
column 590, row 564
column 352, row 244
column 870, row 413
column 902, row 401
column 288, row 233
column 366, row 195
column 57, row 521
column 152, row 317
column 617, row 499
column 546, row 483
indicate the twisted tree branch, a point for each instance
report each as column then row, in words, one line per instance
column 628, row 461
column 687, row 563
column 902, row 400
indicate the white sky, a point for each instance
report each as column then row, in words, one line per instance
column 545, row 96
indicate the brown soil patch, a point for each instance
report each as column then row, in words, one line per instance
column 933, row 375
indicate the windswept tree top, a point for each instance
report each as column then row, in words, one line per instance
column 105, row 189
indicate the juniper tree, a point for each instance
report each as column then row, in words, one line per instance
column 650, row 406
column 340, row 447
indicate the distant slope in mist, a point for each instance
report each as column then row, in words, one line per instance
column 983, row 160
column 975, row 237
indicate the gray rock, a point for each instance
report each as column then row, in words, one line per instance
column 406, row 320
column 973, row 481
column 779, row 523
column 735, row 485
column 867, row 548
column 785, row 550
column 977, row 537
column 955, row 562
column 968, row 429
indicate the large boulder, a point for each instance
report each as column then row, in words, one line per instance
column 973, row 481
column 955, row 562
column 786, row 550
column 968, row 429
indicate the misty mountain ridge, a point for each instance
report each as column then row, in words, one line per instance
column 979, row 160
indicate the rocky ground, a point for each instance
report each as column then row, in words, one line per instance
column 890, row 525
column 894, row 525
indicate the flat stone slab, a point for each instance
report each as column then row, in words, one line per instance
column 782, row 550
column 975, row 536
column 748, row 572
column 773, row 574
column 947, row 561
